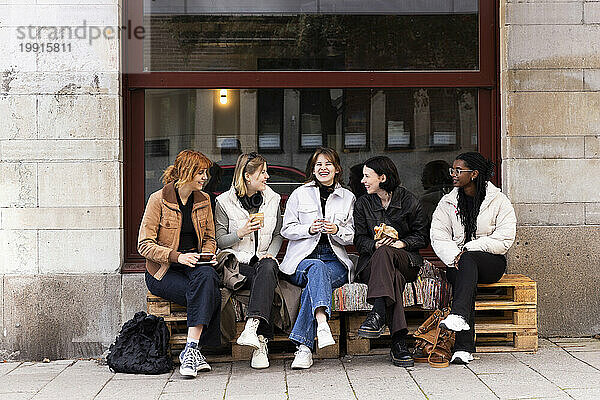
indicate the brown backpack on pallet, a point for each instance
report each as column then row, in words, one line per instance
column 433, row 344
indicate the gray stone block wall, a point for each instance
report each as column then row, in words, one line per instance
column 61, row 224
column 550, row 67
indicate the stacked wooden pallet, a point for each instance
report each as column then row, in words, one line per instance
column 280, row 346
column 506, row 315
column 505, row 319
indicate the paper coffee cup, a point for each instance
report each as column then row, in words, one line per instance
column 258, row 216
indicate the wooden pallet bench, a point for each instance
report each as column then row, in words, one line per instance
column 505, row 319
column 280, row 346
column 506, row 315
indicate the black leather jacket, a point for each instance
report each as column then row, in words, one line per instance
column 404, row 213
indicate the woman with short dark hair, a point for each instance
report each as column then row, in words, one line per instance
column 472, row 228
column 387, row 264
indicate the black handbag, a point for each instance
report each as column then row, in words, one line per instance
column 142, row 347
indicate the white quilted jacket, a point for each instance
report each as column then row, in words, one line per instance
column 496, row 226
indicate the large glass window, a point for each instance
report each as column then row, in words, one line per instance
column 320, row 35
column 414, row 80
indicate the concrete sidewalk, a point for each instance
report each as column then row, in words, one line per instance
column 561, row 369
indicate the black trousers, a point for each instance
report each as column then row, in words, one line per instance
column 473, row 267
column 198, row 290
column 386, row 274
column 261, row 280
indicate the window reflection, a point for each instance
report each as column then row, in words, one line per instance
column 311, row 35
column 421, row 129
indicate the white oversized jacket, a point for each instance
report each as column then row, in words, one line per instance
column 302, row 208
column 496, row 226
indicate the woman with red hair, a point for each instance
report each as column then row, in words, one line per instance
column 176, row 228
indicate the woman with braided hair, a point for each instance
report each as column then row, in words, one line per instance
column 472, row 228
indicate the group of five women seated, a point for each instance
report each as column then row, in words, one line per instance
column 471, row 229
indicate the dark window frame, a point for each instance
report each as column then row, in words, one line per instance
column 135, row 81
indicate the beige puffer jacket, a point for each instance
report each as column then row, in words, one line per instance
column 496, row 226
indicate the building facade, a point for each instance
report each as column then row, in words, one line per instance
column 90, row 118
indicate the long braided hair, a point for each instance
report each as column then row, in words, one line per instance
column 468, row 216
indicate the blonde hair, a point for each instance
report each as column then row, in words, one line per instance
column 246, row 162
column 187, row 165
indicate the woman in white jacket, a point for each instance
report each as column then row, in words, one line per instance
column 318, row 224
column 247, row 222
column 472, row 228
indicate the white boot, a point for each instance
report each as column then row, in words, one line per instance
column 260, row 356
column 248, row 336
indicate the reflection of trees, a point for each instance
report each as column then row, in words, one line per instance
column 333, row 41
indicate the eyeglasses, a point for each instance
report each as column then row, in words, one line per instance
column 458, row 171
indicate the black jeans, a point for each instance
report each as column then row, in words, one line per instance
column 261, row 280
column 197, row 289
column 473, row 267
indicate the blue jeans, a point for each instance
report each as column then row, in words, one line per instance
column 318, row 274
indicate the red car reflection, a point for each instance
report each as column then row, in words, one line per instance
column 282, row 179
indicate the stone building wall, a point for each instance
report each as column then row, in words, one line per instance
column 550, row 85
column 61, row 207
column 61, row 223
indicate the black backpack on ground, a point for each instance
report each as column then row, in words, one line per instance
column 142, row 346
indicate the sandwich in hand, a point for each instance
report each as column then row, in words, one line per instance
column 384, row 231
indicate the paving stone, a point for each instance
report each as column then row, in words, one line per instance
column 205, row 384
column 120, row 376
column 584, row 394
column 592, row 358
column 24, row 383
column 244, row 378
column 83, row 380
column 451, row 382
column 553, row 360
column 325, row 379
column 5, row 368
column 572, row 379
column 517, row 386
column 375, row 378
column 132, row 389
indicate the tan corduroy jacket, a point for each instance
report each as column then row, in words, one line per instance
column 158, row 238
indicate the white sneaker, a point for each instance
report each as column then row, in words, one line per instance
column 303, row 358
column 455, row 322
column 461, row 357
column 324, row 337
column 260, row 356
column 248, row 336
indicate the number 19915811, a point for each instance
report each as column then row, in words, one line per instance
column 45, row 47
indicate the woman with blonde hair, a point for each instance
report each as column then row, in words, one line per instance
column 248, row 221
column 318, row 224
column 177, row 229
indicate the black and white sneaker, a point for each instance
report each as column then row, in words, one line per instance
column 455, row 322
column 192, row 361
column 461, row 357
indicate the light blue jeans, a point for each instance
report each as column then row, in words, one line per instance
column 318, row 274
